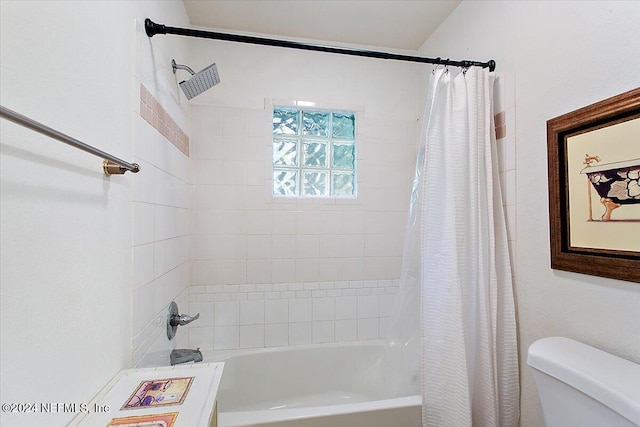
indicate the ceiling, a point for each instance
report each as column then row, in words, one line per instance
column 398, row 24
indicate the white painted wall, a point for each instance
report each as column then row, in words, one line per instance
column 70, row 318
column 561, row 56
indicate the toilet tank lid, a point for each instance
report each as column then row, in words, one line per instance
column 609, row 379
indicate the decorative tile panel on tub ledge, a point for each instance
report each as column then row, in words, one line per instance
column 280, row 314
column 160, row 119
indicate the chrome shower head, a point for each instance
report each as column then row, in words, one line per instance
column 200, row 81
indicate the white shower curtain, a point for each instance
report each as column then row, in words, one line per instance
column 469, row 347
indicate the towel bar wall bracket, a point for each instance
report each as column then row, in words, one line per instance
column 113, row 168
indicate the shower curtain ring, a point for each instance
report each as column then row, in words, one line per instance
column 465, row 66
column 438, row 63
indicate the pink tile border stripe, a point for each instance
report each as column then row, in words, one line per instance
column 159, row 118
column 501, row 126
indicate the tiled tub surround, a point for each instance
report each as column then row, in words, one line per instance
column 271, row 271
column 161, row 225
column 280, row 314
column 505, row 128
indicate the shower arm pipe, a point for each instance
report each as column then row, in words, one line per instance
column 181, row 67
column 111, row 164
column 152, row 29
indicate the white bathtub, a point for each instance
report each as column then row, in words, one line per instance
column 332, row 385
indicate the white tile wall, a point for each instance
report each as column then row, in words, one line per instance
column 275, row 262
column 265, row 315
column 504, row 101
column 161, row 244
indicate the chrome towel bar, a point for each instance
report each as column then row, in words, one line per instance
column 111, row 164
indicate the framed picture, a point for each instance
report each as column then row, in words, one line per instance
column 157, row 420
column 594, row 188
column 169, row 391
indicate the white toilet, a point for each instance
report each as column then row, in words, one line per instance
column 582, row 386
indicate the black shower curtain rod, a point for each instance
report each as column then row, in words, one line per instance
column 152, row 29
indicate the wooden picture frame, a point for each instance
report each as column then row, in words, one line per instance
column 594, row 193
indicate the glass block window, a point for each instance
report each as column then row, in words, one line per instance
column 314, row 153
